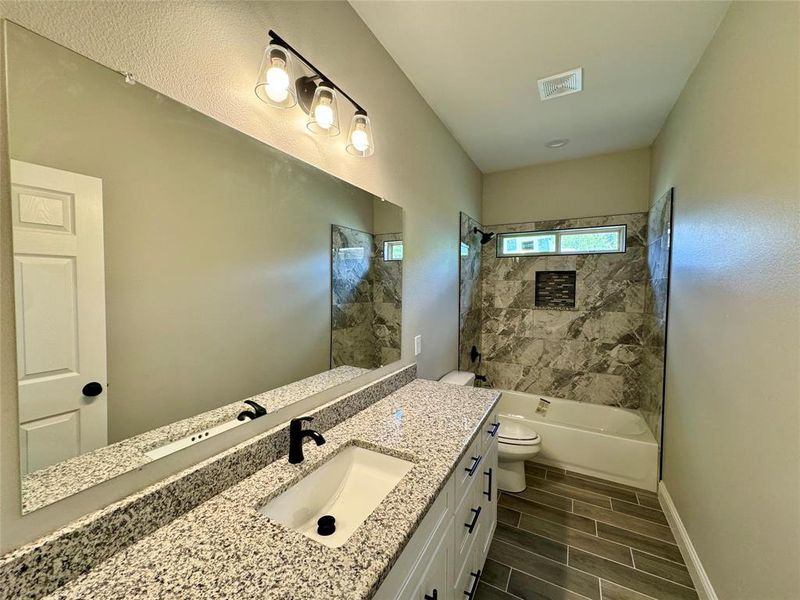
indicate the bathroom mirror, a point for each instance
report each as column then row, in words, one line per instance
column 167, row 268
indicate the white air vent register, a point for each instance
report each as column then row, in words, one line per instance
column 562, row 84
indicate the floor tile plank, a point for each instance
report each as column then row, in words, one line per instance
column 531, row 542
column 628, row 577
column 495, row 574
column 534, row 469
column 508, row 516
column 570, row 492
column 537, row 495
column 597, row 487
column 547, row 467
column 578, row 539
column 663, row 568
column 637, row 510
column 547, row 512
column 648, row 500
column 612, row 591
column 488, row 592
column 542, row 568
column 634, row 524
column 572, row 585
column 640, row 542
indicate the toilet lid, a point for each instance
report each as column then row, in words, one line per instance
column 512, row 432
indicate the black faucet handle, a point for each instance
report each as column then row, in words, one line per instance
column 260, row 410
column 301, row 419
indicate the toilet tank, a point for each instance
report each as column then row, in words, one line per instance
column 459, row 378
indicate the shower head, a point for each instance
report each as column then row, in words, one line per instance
column 485, row 237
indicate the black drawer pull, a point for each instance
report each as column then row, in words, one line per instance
column 477, row 513
column 476, row 460
column 434, row 597
column 488, row 493
column 493, row 430
column 474, row 587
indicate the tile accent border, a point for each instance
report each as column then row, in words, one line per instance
column 41, row 567
column 696, row 570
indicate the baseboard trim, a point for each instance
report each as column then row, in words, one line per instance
column 699, row 576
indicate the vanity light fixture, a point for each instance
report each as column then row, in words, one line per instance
column 323, row 118
column 316, row 94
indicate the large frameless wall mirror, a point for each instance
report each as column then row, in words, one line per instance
column 168, row 268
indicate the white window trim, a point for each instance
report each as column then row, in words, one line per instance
column 386, row 245
column 622, row 229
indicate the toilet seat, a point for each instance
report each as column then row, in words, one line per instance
column 517, row 434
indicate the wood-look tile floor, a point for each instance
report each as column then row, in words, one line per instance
column 573, row 537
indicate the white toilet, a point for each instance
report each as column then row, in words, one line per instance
column 516, row 442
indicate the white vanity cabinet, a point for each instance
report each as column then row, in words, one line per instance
column 445, row 556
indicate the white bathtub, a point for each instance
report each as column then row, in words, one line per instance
column 602, row 441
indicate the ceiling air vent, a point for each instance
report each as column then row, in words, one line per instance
column 562, row 84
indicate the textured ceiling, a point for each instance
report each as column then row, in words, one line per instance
column 476, row 63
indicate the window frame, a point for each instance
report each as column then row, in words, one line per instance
column 622, row 229
column 390, row 244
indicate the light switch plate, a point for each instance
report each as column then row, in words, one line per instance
column 417, row 345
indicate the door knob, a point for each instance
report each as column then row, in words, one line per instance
column 92, row 389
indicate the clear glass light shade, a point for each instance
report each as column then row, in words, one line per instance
column 323, row 118
column 275, row 84
column 359, row 141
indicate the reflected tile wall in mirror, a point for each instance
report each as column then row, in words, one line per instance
column 167, row 267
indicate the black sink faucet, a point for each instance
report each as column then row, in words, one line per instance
column 296, row 436
column 258, row 411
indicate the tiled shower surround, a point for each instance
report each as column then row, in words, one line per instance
column 366, row 302
column 655, row 310
column 602, row 351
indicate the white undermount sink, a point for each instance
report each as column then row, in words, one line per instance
column 349, row 487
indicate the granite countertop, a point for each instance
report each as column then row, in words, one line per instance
column 225, row 549
column 69, row 477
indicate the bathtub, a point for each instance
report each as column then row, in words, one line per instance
column 602, row 441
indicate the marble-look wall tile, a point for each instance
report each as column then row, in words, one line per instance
column 367, row 299
column 655, row 312
column 593, row 353
column 470, row 291
column 352, row 337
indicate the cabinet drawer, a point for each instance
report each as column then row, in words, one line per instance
column 466, row 583
column 468, row 469
column 468, row 521
column 438, row 575
column 407, row 573
column 489, row 431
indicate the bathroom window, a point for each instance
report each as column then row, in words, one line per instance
column 393, row 250
column 588, row 240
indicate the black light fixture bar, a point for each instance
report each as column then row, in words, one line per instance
column 275, row 38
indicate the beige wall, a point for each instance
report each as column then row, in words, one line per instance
column 213, row 241
column 606, row 184
column 732, row 428
column 206, row 54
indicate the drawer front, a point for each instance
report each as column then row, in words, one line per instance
column 436, row 581
column 489, row 499
column 466, row 584
column 468, row 469
column 407, row 573
column 469, row 521
column 489, row 431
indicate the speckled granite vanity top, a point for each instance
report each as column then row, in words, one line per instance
column 71, row 476
column 225, row 549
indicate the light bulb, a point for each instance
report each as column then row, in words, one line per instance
column 360, row 139
column 323, row 113
column 277, row 81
